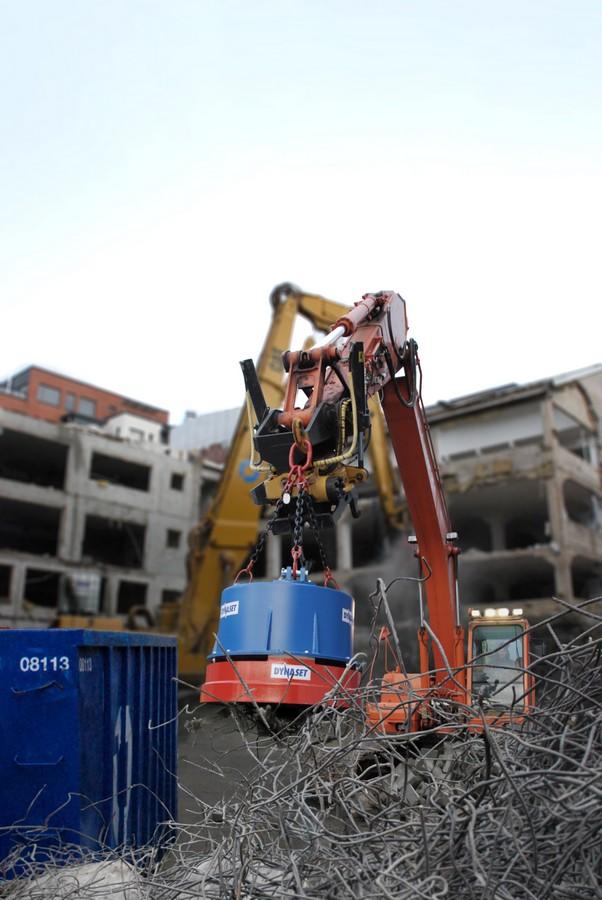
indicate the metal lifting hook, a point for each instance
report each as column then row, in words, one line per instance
column 296, row 476
column 303, row 444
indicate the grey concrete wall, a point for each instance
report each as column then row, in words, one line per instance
column 160, row 509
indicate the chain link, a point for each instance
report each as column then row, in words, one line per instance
column 297, row 548
column 256, row 552
column 313, row 524
column 299, row 520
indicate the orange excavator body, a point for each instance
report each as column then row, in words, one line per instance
column 314, row 448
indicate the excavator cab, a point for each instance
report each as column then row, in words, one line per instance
column 498, row 674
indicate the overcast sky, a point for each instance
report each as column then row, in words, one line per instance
column 164, row 164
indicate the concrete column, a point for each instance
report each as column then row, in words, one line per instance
column 17, row 587
column 344, row 542
column 153, row 594
column 76, row 486
column 556, row 511
column 110, row 595
column 557, row 518
column 563, row 578
column 71, row 531
column 498, row 532
column 273, row 556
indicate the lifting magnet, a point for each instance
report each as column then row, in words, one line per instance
column 285, row 641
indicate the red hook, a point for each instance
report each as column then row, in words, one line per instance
column 248, row 570
column 329, row 578
column 296, row 552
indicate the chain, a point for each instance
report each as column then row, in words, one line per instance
column 303, row 509
column 299, row 522
column 256, row 553
column 297, row 548
column 313, row 524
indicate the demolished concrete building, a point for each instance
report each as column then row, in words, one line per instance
column 520, row 465
column 521, row 470
column 105, row 500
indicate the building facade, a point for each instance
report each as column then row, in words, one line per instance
column 521, row 470
column 520, row 466
column 79, row 500
column 48, row 395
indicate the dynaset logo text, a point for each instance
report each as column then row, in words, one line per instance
column 291, row 673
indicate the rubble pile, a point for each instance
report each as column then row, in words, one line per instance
column 331, row 808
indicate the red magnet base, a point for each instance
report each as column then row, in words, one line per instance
column 277, row 679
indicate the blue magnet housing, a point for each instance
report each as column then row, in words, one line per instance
column 286, row 616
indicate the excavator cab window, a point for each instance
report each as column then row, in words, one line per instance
column 497, row 670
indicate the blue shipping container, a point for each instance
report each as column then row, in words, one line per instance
column 88, row 738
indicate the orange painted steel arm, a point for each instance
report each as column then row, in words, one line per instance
column 426, row 501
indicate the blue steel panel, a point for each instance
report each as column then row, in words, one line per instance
column 285, row 616
column 77, row 757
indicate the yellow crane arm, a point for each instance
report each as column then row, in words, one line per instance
column 384, row 474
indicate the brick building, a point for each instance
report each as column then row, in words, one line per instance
column 48, row 395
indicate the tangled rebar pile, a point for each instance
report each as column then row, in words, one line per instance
column 331, row 808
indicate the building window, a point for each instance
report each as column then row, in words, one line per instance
column 115, row 542
column 42, row 587
column 136, row 434
column 5, row 580
column 119, row 471
column 173, row 538
column 49, row 395
column 130, row 593
column 70, row 402
column 87, row 407
column 177, row 481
